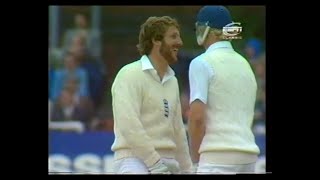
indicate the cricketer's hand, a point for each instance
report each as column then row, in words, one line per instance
column 173, row 167
column 159, row 168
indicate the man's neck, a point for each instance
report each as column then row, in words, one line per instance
column 159, row 64
column 209, row 43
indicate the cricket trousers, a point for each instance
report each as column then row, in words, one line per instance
column 136, row 166
column 210, row 168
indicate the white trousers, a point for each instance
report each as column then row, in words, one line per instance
column 136, row 166
column 210, row 168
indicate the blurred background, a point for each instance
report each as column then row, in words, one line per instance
column 87, row 47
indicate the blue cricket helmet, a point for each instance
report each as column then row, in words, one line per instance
column 216, row 16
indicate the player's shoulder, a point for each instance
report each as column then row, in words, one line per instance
column 197, row 61
column 175, row 79
column 130, row 69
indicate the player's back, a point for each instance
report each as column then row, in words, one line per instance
column 231, row 101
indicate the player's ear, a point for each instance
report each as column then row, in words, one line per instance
column 156, row 42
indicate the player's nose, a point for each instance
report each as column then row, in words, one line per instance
column 179, row 42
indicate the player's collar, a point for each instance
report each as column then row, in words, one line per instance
column 146, row 64
column 219, row 44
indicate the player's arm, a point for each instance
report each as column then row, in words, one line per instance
column 198, row 80
column 196, row 128
column 182, row 152
column 126, row 103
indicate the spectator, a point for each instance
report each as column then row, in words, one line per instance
column 81, row 28
column 71, row 70
column 94, row 70
column 72, row 107
column 253, row 50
